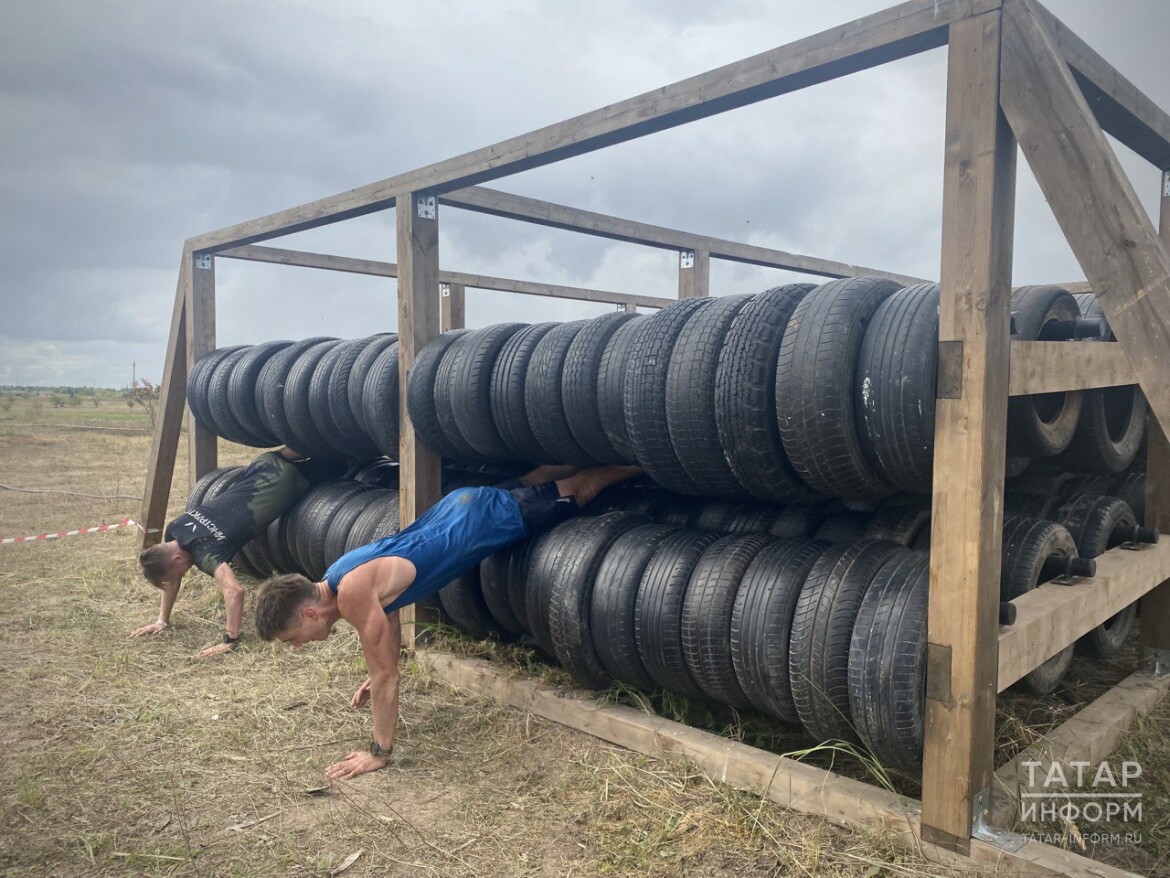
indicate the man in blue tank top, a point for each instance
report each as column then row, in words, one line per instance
column 368, row 586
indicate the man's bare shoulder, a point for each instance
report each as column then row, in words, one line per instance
column 380, row 577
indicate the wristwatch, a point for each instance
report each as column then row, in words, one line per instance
column 377, row 749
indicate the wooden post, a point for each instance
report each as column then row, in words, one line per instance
column 970, row 424
column 630, row 308
column 172, row 395
column 694, row 273
column 1155, row 606
column 200, row 294
column 452, row 306
column 420, row 479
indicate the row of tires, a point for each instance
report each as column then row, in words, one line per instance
column 786, row 395
column 325, row 397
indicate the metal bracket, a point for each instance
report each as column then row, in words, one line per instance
column 445, row 291
column 426, row 206
column 984, row 831
column 204, row 260
column 1157, row 663
column 686, row 259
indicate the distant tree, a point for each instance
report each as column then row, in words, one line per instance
column 58, row 400
column 145, row 395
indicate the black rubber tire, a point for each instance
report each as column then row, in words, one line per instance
column 242, row 391
column 420, row 395
column 255, row 552
column 199, row 384
column 1027, row 545
column 1041, row 425
column 308, row 440
column 446, row 390
column 380, row 415
column 752, row 518
column 519, row 571
column 1030, row 505
column 219, row 402
column 1091, row 308
column 718, row 515
column 544, row 402
column 1109, row 434
column 470, row 391
column 570, row 595
column 611, row 384
column 745, row 396
column 615, row 594
column 545, row 550
column 344, row 520
column 381, row 472
column 899, row 524
column 347, row 431
column 379, row 519
column 644, row 397
column 801, row 520
column 320, row 410
column 294, row 529
column 822, row 625
column 493, row 582
column 204, row 483
column 1131, row 487
column 843, row 527
column 690, row 400
column 579, row 385
column 270, row 389
column 1015, row 466
column 1098, row 524
column 887, row 663
column 274, row 544
column 315, row 522
column 659, row 606
column 815, row 388
column 508, row 380
column 706, row 616
column 356, row 386
column 895, row 387
column 761, row 622
column 462, row 600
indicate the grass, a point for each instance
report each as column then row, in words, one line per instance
column 133, row 757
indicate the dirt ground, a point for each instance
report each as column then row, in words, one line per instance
column 132, row 757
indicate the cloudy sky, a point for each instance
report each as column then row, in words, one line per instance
column 127, row 126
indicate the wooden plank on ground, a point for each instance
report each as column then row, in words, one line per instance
column 504, row 204
column 164, row 447
column 885, row 36
column 694, row 274
column 1090, row 736
column 974, row 325
column 1054, row 366
column 779, row 779
column 1052, row 616
column 420, row 478
column 1092, row 199
column 202, row 442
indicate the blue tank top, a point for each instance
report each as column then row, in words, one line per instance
column 446, row 541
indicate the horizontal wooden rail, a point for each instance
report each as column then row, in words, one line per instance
column 504, row 204
column 1052, row 616
column 253, row 253
column 1055, row 366
column 885, row 36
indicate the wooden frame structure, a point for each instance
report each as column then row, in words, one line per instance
column 1016, row 75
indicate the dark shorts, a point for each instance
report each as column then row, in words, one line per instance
column 541, row 506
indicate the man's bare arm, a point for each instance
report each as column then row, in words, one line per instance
column 169, row 594
column 233, row 604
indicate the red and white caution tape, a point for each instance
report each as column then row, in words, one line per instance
column 125, row 522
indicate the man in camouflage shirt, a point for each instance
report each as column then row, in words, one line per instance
column 209, row 535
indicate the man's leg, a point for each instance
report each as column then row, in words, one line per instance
column 588, row 483
column 548, row 472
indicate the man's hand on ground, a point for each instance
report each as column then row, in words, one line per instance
column 362, row 695
column 358, row 762
column 152, row 628
column 218, row 649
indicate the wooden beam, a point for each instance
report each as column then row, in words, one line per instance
column 202, row 443
column 1121, row 107
column 277, row 256
column 1052, row 616
column 1077, row 286
column 1105, row 224
column 885, row 36
column 504, row 204
column 160, row 471
column 1090, row 736
column 694, row 274
column 420, row 477
column 452, row 306
column 783, row 781
column 1155, row 606
column 1055, row 366
column 974, row 318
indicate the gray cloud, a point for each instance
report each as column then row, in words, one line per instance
column 129, row 127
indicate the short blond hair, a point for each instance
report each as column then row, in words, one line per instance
column 155, row 562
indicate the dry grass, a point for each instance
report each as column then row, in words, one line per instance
column 132, row 757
